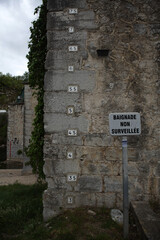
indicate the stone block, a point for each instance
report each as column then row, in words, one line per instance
column 140, row 29
column 64, row 44
column 157, row 171
column 61, row 59
column 59, row 81
column 60, row 138
column 60, row 122
column 89, row 168
column 154, row 29
column 133, row 169
column 87, row 153
column 98, row 139
column 106, row 199
column 143, row 168
column 89, row 184
column 57, row 102
column 58, row 184
column 101, row 168
column 64, row 16
column 119, row 201
column 52, row 203
column 65, row 35
column 85, row 199
column 113, row 154
column 62, row 39
column 60, row 5
column 55, row 152
column 52, row 168
column 60, row 21
column 113, row 184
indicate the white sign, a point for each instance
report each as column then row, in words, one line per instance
column 70, row 68
column 72, row 132
column 70, row 110
column 124, row 124
column 73, row 10
column 71, row 29
column 69, row 155
column 73, row 88
column 72, row 178
column 73, row 48
column 70, row 200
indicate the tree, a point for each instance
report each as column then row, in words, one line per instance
column 36, row 59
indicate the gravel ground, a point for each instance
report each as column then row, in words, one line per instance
column 11, row 176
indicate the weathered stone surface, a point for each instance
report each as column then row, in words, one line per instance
column 84, row 20
column 99, row 139
column 60, row 122
column 85, row 199
column 52, row 203
column 52, row 168
column 60, row 5
column 113, row 184
column 20, row 119
column 59, row 101
column 147, row 220
column 125, row 80
column 55, row 59
column 15, row 131
column 58, row 184
column 63, row 140
column 55, row 80
column 62, row 39
column 106, row 199
column 89, row 184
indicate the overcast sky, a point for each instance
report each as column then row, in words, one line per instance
column 15, row 20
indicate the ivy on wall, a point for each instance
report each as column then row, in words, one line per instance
column 36, row 60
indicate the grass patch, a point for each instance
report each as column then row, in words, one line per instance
column 21, row 218
column 20, row 208
column 78, row 224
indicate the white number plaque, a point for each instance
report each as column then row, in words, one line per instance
column 69, row 155
column 72, row 178
column 70, row 110
column 73, row 10
column 71, row 29
column 70, row 200
column 73, row 88
column 70, row 68
column 73, row 48
column 72, row 132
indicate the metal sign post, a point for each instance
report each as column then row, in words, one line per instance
column 125, row 188
column 125, row 124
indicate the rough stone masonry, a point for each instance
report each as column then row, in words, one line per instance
column 103, row 57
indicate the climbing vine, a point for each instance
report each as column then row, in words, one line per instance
column 36, row 59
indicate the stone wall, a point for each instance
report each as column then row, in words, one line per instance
column 15, row 132
column 83, row 163
column 20, row 120
column 30, row 102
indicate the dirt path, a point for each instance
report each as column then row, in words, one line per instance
column 11, row 176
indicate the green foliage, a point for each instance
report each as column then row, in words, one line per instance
column 10, row 88
column 36, row 57
column 19, row 152
column 21, row 218
column 20, row 207
column 7, row 81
